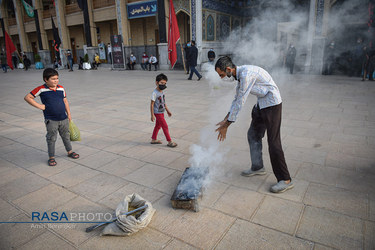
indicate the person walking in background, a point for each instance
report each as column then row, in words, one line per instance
column 69, row 56
column 329, row 59
column 56, row 112
column 187, row 50
column 290, row 58
column 157, row 108
column 26, row 62
column 153, row 61
column 4, row 64
column 266, row 116
column 15, row 59
column 192, row 61
column 144, row 62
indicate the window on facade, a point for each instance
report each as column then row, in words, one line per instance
column 10, row 9
column 47, row 4
column 68, row 2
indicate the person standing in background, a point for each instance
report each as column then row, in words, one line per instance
column 211, row 55
column 109, row 53
column 192, row 61
column 70, row 59
column 290, row 58
column 144, row 61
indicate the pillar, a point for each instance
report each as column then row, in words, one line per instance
column 198, row 31
column 123, row 25
column 24, row 40
column 316, row 36
column 61, row 24
column 39, row 7
column 94, row 35
column 4, row 16
column 161, row 21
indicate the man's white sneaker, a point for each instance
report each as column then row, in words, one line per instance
column 281, row 187
column 250, row 172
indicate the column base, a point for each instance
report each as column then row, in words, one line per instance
column 163, row 56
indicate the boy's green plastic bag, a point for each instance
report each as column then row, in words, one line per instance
column 75, row 135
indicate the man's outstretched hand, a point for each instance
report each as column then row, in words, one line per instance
column 222, row 129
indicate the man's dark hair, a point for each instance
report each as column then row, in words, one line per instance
column 161, row 77
column 48, row 73
column 224, row 62
column 192, row 42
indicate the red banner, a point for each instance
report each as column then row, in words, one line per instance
column 173, row 35
column 10, row 48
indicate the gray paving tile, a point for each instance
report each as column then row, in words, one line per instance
column 99, row 186
column 7, row 211
column 337, row 199
column 243, row 234
column 279, row 214
column 203, row 229
column 369, row 235
column 74, row 175
column 147, row 238
column 47, row 241
column 11, row 174
column 177, row 244
column 122, row 166
column 149, row 175
column 44, row 199
column 46, row 171
column 331, row 228
column 15, row 234
column 317, row 173
column 77, row 210
column 116, row 197
column 243, row 200
column 22, row 186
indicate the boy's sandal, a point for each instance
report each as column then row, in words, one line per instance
column 52, row 162
column 73, row 155
column 172, row 144
column 156, row 142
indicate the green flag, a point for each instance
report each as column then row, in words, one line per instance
column 29, row 9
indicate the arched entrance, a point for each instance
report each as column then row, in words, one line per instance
column 183, row 20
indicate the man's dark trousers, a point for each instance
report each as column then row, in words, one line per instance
column 267, row 119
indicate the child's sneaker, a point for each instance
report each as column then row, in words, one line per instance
column 155, row 142
column 172, row 144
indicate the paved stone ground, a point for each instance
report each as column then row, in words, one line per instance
column 328, row 135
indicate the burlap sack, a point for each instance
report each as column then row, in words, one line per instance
column 127, row 225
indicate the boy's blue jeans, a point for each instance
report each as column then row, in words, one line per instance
column 62, row 127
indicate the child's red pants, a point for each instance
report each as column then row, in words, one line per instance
column 160, row 123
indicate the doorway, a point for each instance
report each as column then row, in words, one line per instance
column 183, row 21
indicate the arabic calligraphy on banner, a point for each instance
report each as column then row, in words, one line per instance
column 142, row 9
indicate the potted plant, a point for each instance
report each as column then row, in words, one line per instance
column 38, row 63
column 86, row 63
